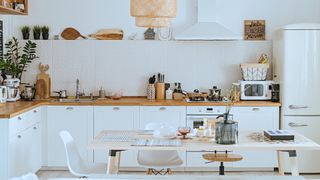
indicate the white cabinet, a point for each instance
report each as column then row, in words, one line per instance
column 175, row 116
column 116, row 118
column 78, row 121
column 25, row 151
column 257, row 118
column 20, row 138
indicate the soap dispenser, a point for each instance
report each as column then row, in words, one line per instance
column 169, row 94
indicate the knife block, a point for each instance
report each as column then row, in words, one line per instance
column 160, row 90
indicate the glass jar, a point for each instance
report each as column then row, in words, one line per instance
column 226, row 131
column 201, row 131
column 236, row 92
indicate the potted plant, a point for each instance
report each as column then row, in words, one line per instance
column 25, row 32
column 36, row 32
column 45, row 32
column 14, row 63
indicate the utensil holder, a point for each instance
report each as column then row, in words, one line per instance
column 160, row 90
column 151, row 92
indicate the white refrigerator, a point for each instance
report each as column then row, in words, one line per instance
column 296, row 57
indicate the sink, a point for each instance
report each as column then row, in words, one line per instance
column 73, row 100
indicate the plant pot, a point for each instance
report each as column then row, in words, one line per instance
column 45, row 36
column 25, row 36
column 36, row 36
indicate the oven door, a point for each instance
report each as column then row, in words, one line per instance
column 194, row 121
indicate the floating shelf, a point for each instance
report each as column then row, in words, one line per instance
column 9, row 11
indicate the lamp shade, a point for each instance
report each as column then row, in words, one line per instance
column 154, row 8
column 153, row 22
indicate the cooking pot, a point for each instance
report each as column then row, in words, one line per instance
column 62, row 93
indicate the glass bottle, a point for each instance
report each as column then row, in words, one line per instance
column 179, row 87
column 175, row 87
column 226, row 131
column 236, row 92
column 201, row 131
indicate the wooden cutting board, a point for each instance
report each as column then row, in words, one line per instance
column 41, row 88
column 108, row 34
column 71, row 34
column 45, row 77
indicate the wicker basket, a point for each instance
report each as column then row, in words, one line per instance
column 254, row 72
column 153, row 22
column 154, row 8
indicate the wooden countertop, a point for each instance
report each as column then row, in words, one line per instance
column 11, row 109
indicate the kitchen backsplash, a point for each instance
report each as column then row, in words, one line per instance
column 127, row 65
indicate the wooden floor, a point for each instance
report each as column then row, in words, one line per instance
column 44, row 175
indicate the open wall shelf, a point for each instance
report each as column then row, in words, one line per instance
column 9, row 11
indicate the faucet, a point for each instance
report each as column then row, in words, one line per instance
column 78, row 93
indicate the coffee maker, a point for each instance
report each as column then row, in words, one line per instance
column 13, row 92
column 275, row 92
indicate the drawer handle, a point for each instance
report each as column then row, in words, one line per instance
column 163, row 109
column 69, row 108
column 116, row 108
column 19, row 137
column 19, row 118
column 291, row 124
column 35, row 111
column 34, row 128
column 255, row 109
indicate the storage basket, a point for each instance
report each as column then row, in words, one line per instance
column 254, row 72
column 153, row 22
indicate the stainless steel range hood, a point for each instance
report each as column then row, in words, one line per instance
column 206, row 28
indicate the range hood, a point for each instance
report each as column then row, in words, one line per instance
column 206, row 28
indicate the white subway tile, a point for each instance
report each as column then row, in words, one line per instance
column 145, row 62
column 73, row 62
column 102, row 76
column 115, row 61
column 101, row 62
column 102, row 48
column 74, row 48
column 88, row 62
column 59, row 62
column 173, row 75
column 130, row 61
column 59, row 86
column 88, row 88
column 88, row 75
column 73, row 75
column 88, row 47
column 115, row 48
column 159, row 62
column 131, row 75
column 130, row 48
column 59, row 47
column 187, row 48
column 59, row 75
column 115, row 75
column 202, row 48
column 44, row 47
column 71, row 89
column 115, row 87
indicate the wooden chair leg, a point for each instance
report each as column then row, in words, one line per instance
column 118, row 157
column 169, row 171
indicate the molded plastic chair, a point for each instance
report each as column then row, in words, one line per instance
column 153, row 159
column 76, row 164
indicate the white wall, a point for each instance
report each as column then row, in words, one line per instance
column 90, row 16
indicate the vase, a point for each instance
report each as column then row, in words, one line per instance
column 36, row 36
column 45, row 36
column 226, row 131
column 151, row 92
column 25, row 36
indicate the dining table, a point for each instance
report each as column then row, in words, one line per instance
column 244, row 143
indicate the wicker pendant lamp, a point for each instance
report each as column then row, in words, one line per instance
column 153, row 13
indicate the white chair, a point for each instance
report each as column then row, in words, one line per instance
column 76, row 165
column 158, row 159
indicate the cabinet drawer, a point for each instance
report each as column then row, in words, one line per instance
column 23, row 121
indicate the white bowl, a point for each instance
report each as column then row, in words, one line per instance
column 164, row 132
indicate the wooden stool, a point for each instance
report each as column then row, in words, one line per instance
column 225, row 157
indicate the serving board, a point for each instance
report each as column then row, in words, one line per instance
column 108, row 34
column 43, row 83
column 71, row 34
